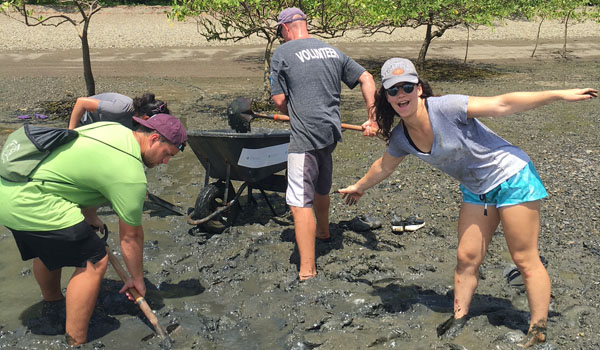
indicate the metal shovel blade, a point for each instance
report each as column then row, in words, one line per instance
column 164, row 204
column 239, row 114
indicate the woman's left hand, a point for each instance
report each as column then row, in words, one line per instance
column 579, row 94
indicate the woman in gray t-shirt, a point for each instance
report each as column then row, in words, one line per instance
column 498, row 181
column 114, row 107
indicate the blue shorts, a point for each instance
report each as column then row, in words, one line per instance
column 524, row 186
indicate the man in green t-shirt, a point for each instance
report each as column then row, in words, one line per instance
column 53, row 217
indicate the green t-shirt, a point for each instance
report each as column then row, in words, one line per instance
column 82, row 173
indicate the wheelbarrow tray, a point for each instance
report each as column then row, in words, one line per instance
column 252, row 157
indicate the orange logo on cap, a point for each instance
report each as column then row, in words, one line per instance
column 398, row 71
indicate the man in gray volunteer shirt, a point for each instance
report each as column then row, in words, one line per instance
column 306, row 76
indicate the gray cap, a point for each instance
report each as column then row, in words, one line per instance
column 287, row 15
column 398, row 70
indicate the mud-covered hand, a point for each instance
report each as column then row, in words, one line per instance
column 351, row 194
column 139, row 285
column 572, row 95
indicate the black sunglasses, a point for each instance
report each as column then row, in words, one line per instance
column 406, row 87
column 279, row 35
column 181, row 147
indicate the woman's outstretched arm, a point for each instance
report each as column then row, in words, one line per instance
column 516, row 102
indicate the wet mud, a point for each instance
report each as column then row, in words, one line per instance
column 375, row 289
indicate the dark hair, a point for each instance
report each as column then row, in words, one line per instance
column 146, row 130
column 147, row 105
column 384, row 113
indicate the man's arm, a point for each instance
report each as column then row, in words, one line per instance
column 367, row 87
column 280, row 102
column 132, row 250
column 82, row 105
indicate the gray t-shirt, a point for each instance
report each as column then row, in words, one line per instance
column 112, row 107
column 309, row 72
column 463, row 148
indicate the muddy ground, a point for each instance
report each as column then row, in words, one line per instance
column 375, row 289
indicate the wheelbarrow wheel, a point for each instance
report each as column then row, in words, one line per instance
column 209, row 200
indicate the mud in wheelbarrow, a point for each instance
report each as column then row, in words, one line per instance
column 252, row 158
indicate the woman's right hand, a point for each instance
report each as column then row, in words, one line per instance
column 351, row 194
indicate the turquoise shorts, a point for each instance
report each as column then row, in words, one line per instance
column 525, row 186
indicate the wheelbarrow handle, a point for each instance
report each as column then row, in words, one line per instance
column 285, row 118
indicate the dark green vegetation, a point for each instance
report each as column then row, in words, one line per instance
column 235, row 20
column 222, row 20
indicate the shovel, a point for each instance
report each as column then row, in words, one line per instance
column 166, row 341
column 240, row 114
column 164, row 204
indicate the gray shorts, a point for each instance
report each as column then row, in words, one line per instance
column 308, row 172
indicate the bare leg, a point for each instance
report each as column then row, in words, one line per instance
column 521, row 229
column 82, row 293
column 321, row 207
column 305, row 228
column 49, row 281
column 475, row 232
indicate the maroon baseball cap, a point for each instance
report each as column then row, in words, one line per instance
column 167, row 126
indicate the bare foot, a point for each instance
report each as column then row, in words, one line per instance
column 306, row 277
column 536, row 335
column 324, row 238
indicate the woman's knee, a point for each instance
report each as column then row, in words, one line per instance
column 528, row 264
column 467, row 261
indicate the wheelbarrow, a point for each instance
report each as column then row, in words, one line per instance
column 252, row 158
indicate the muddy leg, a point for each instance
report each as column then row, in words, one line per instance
column 49, row 281
column 321, row 207
column 305, row 228
column 475, row 232
column 521, row 229
column 82, row 293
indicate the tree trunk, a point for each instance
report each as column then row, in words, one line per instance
column 267, row 72
column 424, row 47
column 87, row 62
column 564, row 53
column 467, row 48
column 537, row 38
